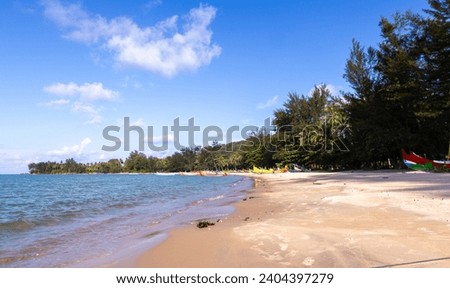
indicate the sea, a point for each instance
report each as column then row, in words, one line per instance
column 99, row 220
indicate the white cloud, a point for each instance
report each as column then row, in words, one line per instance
column 83, row 95
column 334, row 90
column 269, row 103
column 131, row 82
column 139, row 122
column 13, row 161
column 86, row 92
column 90, row 110
column 56, row 103
column 72, row 17
column 170, row 138
column 70, row 151
column 161, row 48
column 152, row 4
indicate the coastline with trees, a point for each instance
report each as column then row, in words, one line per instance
column 400, row 99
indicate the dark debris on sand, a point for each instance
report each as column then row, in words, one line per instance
column 204, row 224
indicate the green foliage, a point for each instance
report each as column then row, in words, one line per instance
column 401, row 89
column 311, row 130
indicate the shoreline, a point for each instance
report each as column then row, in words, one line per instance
column 103, row 220
column 343, row 219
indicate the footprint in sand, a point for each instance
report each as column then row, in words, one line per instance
column 308, row 261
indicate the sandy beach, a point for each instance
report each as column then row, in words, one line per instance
column 348, row 219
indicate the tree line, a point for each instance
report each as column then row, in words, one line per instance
column 400, row 99
column 401, row 96
column 212, row 158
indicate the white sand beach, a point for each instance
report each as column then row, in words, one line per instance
column 347, row 219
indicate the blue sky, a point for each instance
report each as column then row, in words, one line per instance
column 68, row 69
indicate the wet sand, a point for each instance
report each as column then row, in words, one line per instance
column 360, row 219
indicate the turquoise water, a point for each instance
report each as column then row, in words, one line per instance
column 94, row 220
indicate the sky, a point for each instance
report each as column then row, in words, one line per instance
column 77, row 77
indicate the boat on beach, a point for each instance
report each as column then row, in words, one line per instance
column 296, row 168
column 257, row 170
column 416, row 162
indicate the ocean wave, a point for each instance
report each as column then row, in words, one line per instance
column 26, row 224
column 121, row 205
column 63, row 220
column 216, row 198
column 17, row 225
column 166, row 174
